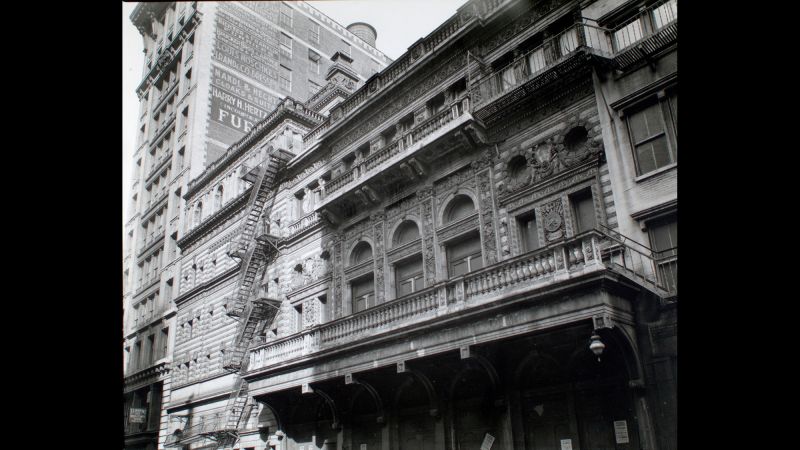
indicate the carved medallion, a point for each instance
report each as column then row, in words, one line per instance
column 552, row 221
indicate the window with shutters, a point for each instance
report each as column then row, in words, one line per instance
column 653, row 131
column 664, row 242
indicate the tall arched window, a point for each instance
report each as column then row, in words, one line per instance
column 460, row 206
column 463, row 254
column 407, row 273
column 362, row 290
column 218, row 198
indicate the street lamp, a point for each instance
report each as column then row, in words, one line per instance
column 596, row 346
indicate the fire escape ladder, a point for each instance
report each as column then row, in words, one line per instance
column 252, row 252
column 255, row 249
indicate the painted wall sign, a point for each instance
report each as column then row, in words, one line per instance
column 621, row 431
column 244, row 47
column 566, row 444
column 137, row 415
column 246, row 44
column 488, row 440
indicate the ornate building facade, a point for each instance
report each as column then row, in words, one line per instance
column 476, row 247
column 212, row 71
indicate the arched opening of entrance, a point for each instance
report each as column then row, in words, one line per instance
column 569, row 398
column 415, row 425
column 473, row 410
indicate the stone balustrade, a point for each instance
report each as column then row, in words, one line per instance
column 557, row 262
column 304, row 223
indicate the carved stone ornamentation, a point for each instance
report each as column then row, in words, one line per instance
column 487, row 217
column 553, row 220
column 311, row 313
column 378, row 252
column 427, row 240
column 464, row 177
column 337, row 277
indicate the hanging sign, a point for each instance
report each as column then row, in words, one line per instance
column 621, row 431
column 488, row 440
column 137, row 415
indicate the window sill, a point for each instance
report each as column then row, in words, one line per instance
column 666, row 168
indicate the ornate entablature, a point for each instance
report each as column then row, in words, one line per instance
column 146, row 376
column 223, row 218
column 142, row 19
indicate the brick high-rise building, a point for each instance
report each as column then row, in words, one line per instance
column 474, row 248
column 212, row 71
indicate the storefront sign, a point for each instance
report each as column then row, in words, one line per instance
column 566, row 444
column 488, row 440
column 137, row 415
column 621, row 431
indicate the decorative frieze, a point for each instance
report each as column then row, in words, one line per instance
column 464, row 177
column 576, row 142
column 550, row 187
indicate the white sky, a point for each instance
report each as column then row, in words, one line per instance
column 399, row 23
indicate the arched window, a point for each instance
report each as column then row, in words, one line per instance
column 218, row 198
column 408, row 231
column 362, row 252
column 461, row 206
column 198, row 213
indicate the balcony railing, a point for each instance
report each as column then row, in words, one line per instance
column 590, row 251
column 650, row 21
column 658, row 270
column 304, row 223
column 535, row 62
column 429, row 126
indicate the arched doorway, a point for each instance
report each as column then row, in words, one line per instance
column 415, row 425
column 473, row 409
column 569, row 399
column 366, row 431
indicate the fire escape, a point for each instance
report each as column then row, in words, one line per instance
column 255, row 248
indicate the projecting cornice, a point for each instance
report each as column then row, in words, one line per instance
column 215, row 219
column 145, row 12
